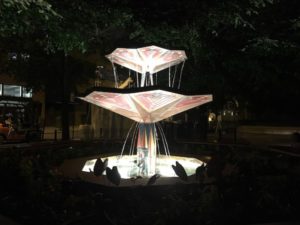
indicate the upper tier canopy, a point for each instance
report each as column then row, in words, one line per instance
column 151, row 59
column 146, row 106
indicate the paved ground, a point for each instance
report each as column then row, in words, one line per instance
column 257, row 135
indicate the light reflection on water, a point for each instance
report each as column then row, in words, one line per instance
column 128, row 167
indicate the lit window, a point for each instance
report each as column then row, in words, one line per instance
column 12, row 90
column 0, row 89
column 27, row 93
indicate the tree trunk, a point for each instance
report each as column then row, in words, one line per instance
column 65, row 122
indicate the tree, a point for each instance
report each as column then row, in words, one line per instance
column 247, row 49
column 62, row 29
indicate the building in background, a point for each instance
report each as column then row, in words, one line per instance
column 26, row 106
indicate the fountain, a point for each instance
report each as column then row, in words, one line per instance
column 146, row 104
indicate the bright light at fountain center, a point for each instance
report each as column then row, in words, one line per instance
column 128, row 167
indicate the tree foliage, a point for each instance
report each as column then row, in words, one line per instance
column 57, row 25
column 248, row 49
column 24, row 23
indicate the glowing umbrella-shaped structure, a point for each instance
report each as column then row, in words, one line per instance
column 147, row 104
column 146, row 60
column 146, row 107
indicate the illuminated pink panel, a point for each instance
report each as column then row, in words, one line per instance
column 150, row 59
column 147, row 106
column 111, row 100
column 186, row 103
column 154, row 100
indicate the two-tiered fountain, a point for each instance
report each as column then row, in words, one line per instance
column 147, row 104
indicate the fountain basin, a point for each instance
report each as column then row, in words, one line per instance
column 128, row 167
